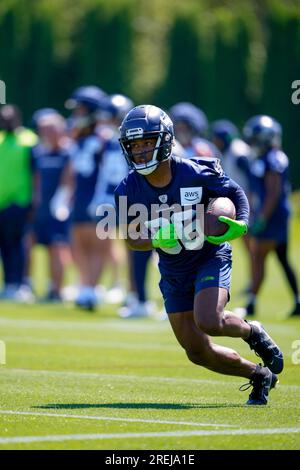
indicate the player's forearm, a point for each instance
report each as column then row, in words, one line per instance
column 135, row 238
column 241, row 203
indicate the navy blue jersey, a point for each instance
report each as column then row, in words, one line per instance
column 112, row 170
column 86, row 154
column 194, row 181
column 49, row 165
column 273, row 161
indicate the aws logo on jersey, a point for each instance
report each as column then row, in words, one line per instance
column 189, row 196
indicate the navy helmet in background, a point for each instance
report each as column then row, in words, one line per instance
column 192, row 116
column 262, row 133
column 115, row 107
column 225, row 131
column 84, row 103
column 90, row 96
column 147, row 122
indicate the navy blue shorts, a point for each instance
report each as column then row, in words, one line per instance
column 277, row 229
column 51, row 231
column 179, row 291
column 81, row 216
column 277, row 233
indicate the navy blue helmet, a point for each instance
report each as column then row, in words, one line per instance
column 147, row 122
column 90, row 96
column 262, row 132
column 224, row 130
column 191, row 115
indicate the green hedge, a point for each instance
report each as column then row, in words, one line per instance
column 233, row 59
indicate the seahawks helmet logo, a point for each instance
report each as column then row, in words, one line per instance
column 134, row 133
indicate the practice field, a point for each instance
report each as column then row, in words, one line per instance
column 79, row 381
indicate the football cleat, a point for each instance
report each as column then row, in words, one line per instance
column 52, row 297
column 86, row 299
column 88, row 305
column 137, row 310
column 263, row 381
column 265, row 347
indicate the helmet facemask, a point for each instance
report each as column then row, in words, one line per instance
column 161, row 151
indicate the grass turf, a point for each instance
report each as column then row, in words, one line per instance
column 99, row 382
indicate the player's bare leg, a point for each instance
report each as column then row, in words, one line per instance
column 211, row 318
column 88, row 261
column 80, row 241
column 201, row 351
column 56, row 266
column 259, row 253
column 260, row 250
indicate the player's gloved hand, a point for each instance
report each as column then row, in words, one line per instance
column 165, row 237
column 236, row 229
column 258, row 226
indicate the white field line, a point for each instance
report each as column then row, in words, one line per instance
column 132, row 435
column 95, row 375
column 110, row 418
column 123, row 377
column 131, row 325
column 90, row 344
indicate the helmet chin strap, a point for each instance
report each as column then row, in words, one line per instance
column 147, row 171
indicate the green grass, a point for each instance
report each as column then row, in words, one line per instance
column 131, row 385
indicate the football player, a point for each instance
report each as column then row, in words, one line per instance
column 16, row 191
column 113, row 169
column 195, row 274
column 236, row 158
column 85, row 157
column 236, row 154
column 53, row 173
column 191, row 130
column 271, row 211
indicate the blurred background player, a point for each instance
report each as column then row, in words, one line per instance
column 235, row 159
column 269, row 203
column 137, row 304
column 53, row 182
column 236, row 154
column 112, row 169
column 86, row 154
column 16, row 190
column 191, row 130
